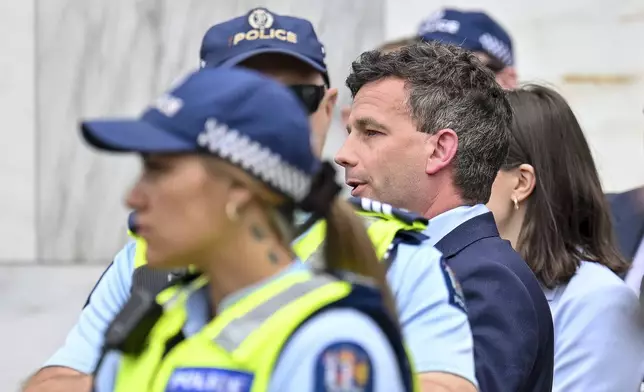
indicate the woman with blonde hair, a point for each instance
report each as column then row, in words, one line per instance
column 226, row 160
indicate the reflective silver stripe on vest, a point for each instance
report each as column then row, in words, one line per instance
column 234, row 334
column 368, row 220
column 316, row 259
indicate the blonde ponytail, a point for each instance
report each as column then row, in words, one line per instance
column 348, row 248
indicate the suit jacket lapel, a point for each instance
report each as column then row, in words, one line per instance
column 481, row 226
column 628, row 219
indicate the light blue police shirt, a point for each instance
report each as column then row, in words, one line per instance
column 435, row 329
column 82, row 347
column 303, row 364
column 599, row 333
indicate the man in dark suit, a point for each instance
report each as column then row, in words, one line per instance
column 428, row 131
column 628, row 220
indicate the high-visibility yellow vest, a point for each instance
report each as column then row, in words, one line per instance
column 383, row 222
column 243, row 343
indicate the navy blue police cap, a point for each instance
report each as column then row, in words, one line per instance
column 261, row 31
column 235, row 114
column 474, row 31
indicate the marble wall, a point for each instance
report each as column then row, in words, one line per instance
column 17, row 139
column 589, row 50
column 31, row 306
column 98, row 57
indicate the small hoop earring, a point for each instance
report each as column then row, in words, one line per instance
column 516, row 202
column 231, row 212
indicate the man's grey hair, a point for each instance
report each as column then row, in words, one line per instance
column 448, row 87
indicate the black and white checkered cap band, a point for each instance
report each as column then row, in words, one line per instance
column 497, row 48
column 255, row 158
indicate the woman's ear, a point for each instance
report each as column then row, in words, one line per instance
column 526, row 182
column 239, row 197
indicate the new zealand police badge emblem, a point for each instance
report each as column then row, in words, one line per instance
column 260, row 19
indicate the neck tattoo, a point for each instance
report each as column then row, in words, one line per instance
column 257, row 232
column 272, row 257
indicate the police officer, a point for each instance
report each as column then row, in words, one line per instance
column 283, row 47
column 477, row 32
column 472, row 30
column 217, row 179
column 428, row 299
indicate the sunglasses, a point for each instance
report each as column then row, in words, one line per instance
column 310, row 95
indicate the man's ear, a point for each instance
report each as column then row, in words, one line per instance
column 507, row 78
column 344, row 115
column 330, row 100
column 441, row 150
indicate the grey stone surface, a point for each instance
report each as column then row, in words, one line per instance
column 38, row 305
column 17, row 139
column 110, row 58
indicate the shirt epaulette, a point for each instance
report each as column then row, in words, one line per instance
column 387, row 210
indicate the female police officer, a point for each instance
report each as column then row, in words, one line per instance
column 226, row 157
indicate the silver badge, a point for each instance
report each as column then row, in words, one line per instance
column 260, row 19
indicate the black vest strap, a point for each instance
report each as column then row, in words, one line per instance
column 410, row 237
column 368, row 300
